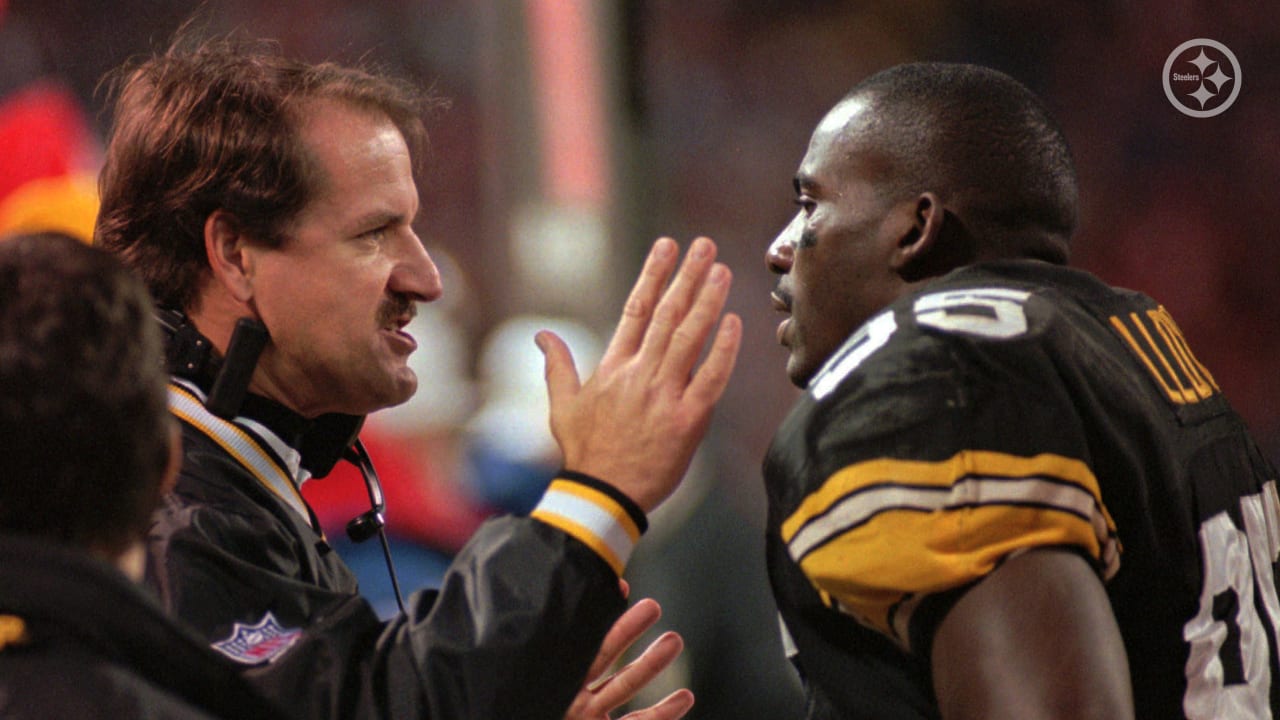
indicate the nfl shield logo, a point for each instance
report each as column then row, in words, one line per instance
column 261, row 642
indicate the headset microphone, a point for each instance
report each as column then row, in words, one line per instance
column 372, row 522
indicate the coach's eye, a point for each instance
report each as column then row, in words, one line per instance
column 376, row 235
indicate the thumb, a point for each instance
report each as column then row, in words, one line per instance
column 559, row 371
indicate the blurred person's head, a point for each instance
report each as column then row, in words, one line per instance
column 511, row 371
column 513, row 453
column 84, row 424
column 64, row 204
column 241, row 183
column 918, row 170
column 49, row 159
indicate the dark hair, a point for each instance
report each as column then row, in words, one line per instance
column 217, row 126
column 985, row 143
column 84, row 423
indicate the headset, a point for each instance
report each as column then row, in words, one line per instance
column 331, row 437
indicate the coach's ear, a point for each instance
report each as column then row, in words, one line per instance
column 225, row 243
column 934, row 243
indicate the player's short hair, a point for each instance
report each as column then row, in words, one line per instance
column 216, row 124
column 84, row 423
column 985, row 143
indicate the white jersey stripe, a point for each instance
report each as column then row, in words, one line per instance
column 860, row 507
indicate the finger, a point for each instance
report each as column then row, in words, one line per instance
column 625, row 631
column 673, row 707
column 643, row 299
column 625, row 587
column 713, row 377
column 558, row 369
column 690, row 336
column 625, row 683
column 679, row 297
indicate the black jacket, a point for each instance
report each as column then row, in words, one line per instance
column 510, row 634
column 82, row 641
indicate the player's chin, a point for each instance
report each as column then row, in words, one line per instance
column 798, row 370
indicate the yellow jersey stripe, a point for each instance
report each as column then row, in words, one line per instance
column 884, row 531
column 938, row 474
column 910, row 554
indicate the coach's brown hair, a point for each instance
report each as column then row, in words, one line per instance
column 216, row 126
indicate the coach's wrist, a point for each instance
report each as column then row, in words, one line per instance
column 596, row 513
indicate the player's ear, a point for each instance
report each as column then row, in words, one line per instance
column 934, row 242
column 225, row 244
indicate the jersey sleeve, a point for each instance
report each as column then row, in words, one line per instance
column 944, row 452
column 510, row 633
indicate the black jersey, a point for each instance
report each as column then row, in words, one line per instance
column 1016, row 405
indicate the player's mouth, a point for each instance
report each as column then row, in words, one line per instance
column 782, row 303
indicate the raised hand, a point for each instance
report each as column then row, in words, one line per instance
column 637, row 420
